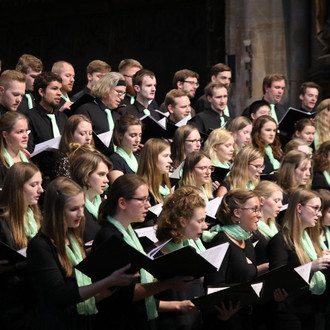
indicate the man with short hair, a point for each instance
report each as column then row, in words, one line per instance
column 128, row 68
column 66, row 71
column 258, row 109
column 46, row 121
column 177, row 104
column 212, row 117
column 144, row 83
column 95, row 70
column 308, row 95
column 12, row 90
column 31, row 66
column 219, row 73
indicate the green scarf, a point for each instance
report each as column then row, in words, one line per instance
column 129, row 159
column 327, row 176
column 217, row 163
column 131, row 239
column 205, row 195
column 10, row 160
column 316, row 140
column 250, row 186
column 327, row 236
column 196, row 244
column 269, row 153
column 30, row 227
column 234, row 231
column 318, row 284
column 270, row 230
column 88, row 306
column 164, row 191
column 93, row 208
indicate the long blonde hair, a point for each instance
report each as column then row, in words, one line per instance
column 322, row 122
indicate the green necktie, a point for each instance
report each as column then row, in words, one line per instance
column 110, row 120
column 55, row 129
column 29, row 99
column 146, row 112
column 226, row 111
column 222, row 121
column 273, row 112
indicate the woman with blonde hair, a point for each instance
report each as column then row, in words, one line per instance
column 154, row 166
column 13, row 140
column 298, row 244
column 245, row 172
column 321, row 167
column 66, row 297
column 295, row 172
column 325, row 221
column 186, row 140
column 322, row 123
column 197, row 171
column 219, row 146
column 19, row 223
column 241, row 127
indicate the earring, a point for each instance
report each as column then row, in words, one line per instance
column 238, row 222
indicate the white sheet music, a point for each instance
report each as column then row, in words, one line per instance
column 215, row 255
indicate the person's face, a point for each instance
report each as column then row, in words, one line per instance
column 248, row 218
column 32, row 189
column 74, row 211
column 115, row 97
column 271, row 206
column 11, row 96
column 194, row 227
column 192, row 142
column 164, row 160
column 67, row 75
column 98, row 180
column 202, row 171
column 255, row 168
column 219, row 99
column 181, row 109
column 30, row 76
column 17, row 138
column 307, row 134
column 303, row 172
column 243, row 136
column 225, row 151
column 309, row 99
column 310, row 212
column 275, row 92
column 223, row 77
column 51, row 96
column 268, row 132
column 326, row 217
column 136, row 209
column 189, row 86
column 147, row 90
column 262, row 111
column 83, row 133
column 94, row 77
column 131, row 139
column 128, row 73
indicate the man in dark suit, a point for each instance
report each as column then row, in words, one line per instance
column 308, row 95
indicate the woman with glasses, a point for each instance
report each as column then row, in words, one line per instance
column 154, row 166
column 238, row 216
column 241, row 127
column 245, row 172
column 127, row 137
column 109, row 91
column 322, row 123
column 186, row 140
column 132, row 307
column 321, row 167
column 196, row 172
column 295, row 172
column 298, row 244
column 91, row 170
column 14, row 135
column 265, row 139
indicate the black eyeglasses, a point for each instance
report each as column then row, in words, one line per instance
column 144, row 200
column 205, row 168
column 317, row 209
column 258, row 167
column 192, row 83
column 195, row 141
column 254, row 210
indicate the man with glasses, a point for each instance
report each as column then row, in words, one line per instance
column 109, row 91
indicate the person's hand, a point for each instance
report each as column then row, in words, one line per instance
column 187, row 307
column 26, row 153
column 120, row 278
column 66, row 106
column 215, row 185
column 320, row 264
column 179, row 283
column 280, row 295
column 226, row 313
column 325, row 252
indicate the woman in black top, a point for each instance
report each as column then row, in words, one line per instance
column 321, row 175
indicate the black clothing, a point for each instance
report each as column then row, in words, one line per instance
column 3, row 171
column 202, row 104
column 207, row 120
column 120, row 164
column 3, row 110
column 91, row 226
column 137, row 108
column 81, row 93
column 95, row 112
column 261, row 247
column 319, row 181
column 24, row 105
column 57, row 293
